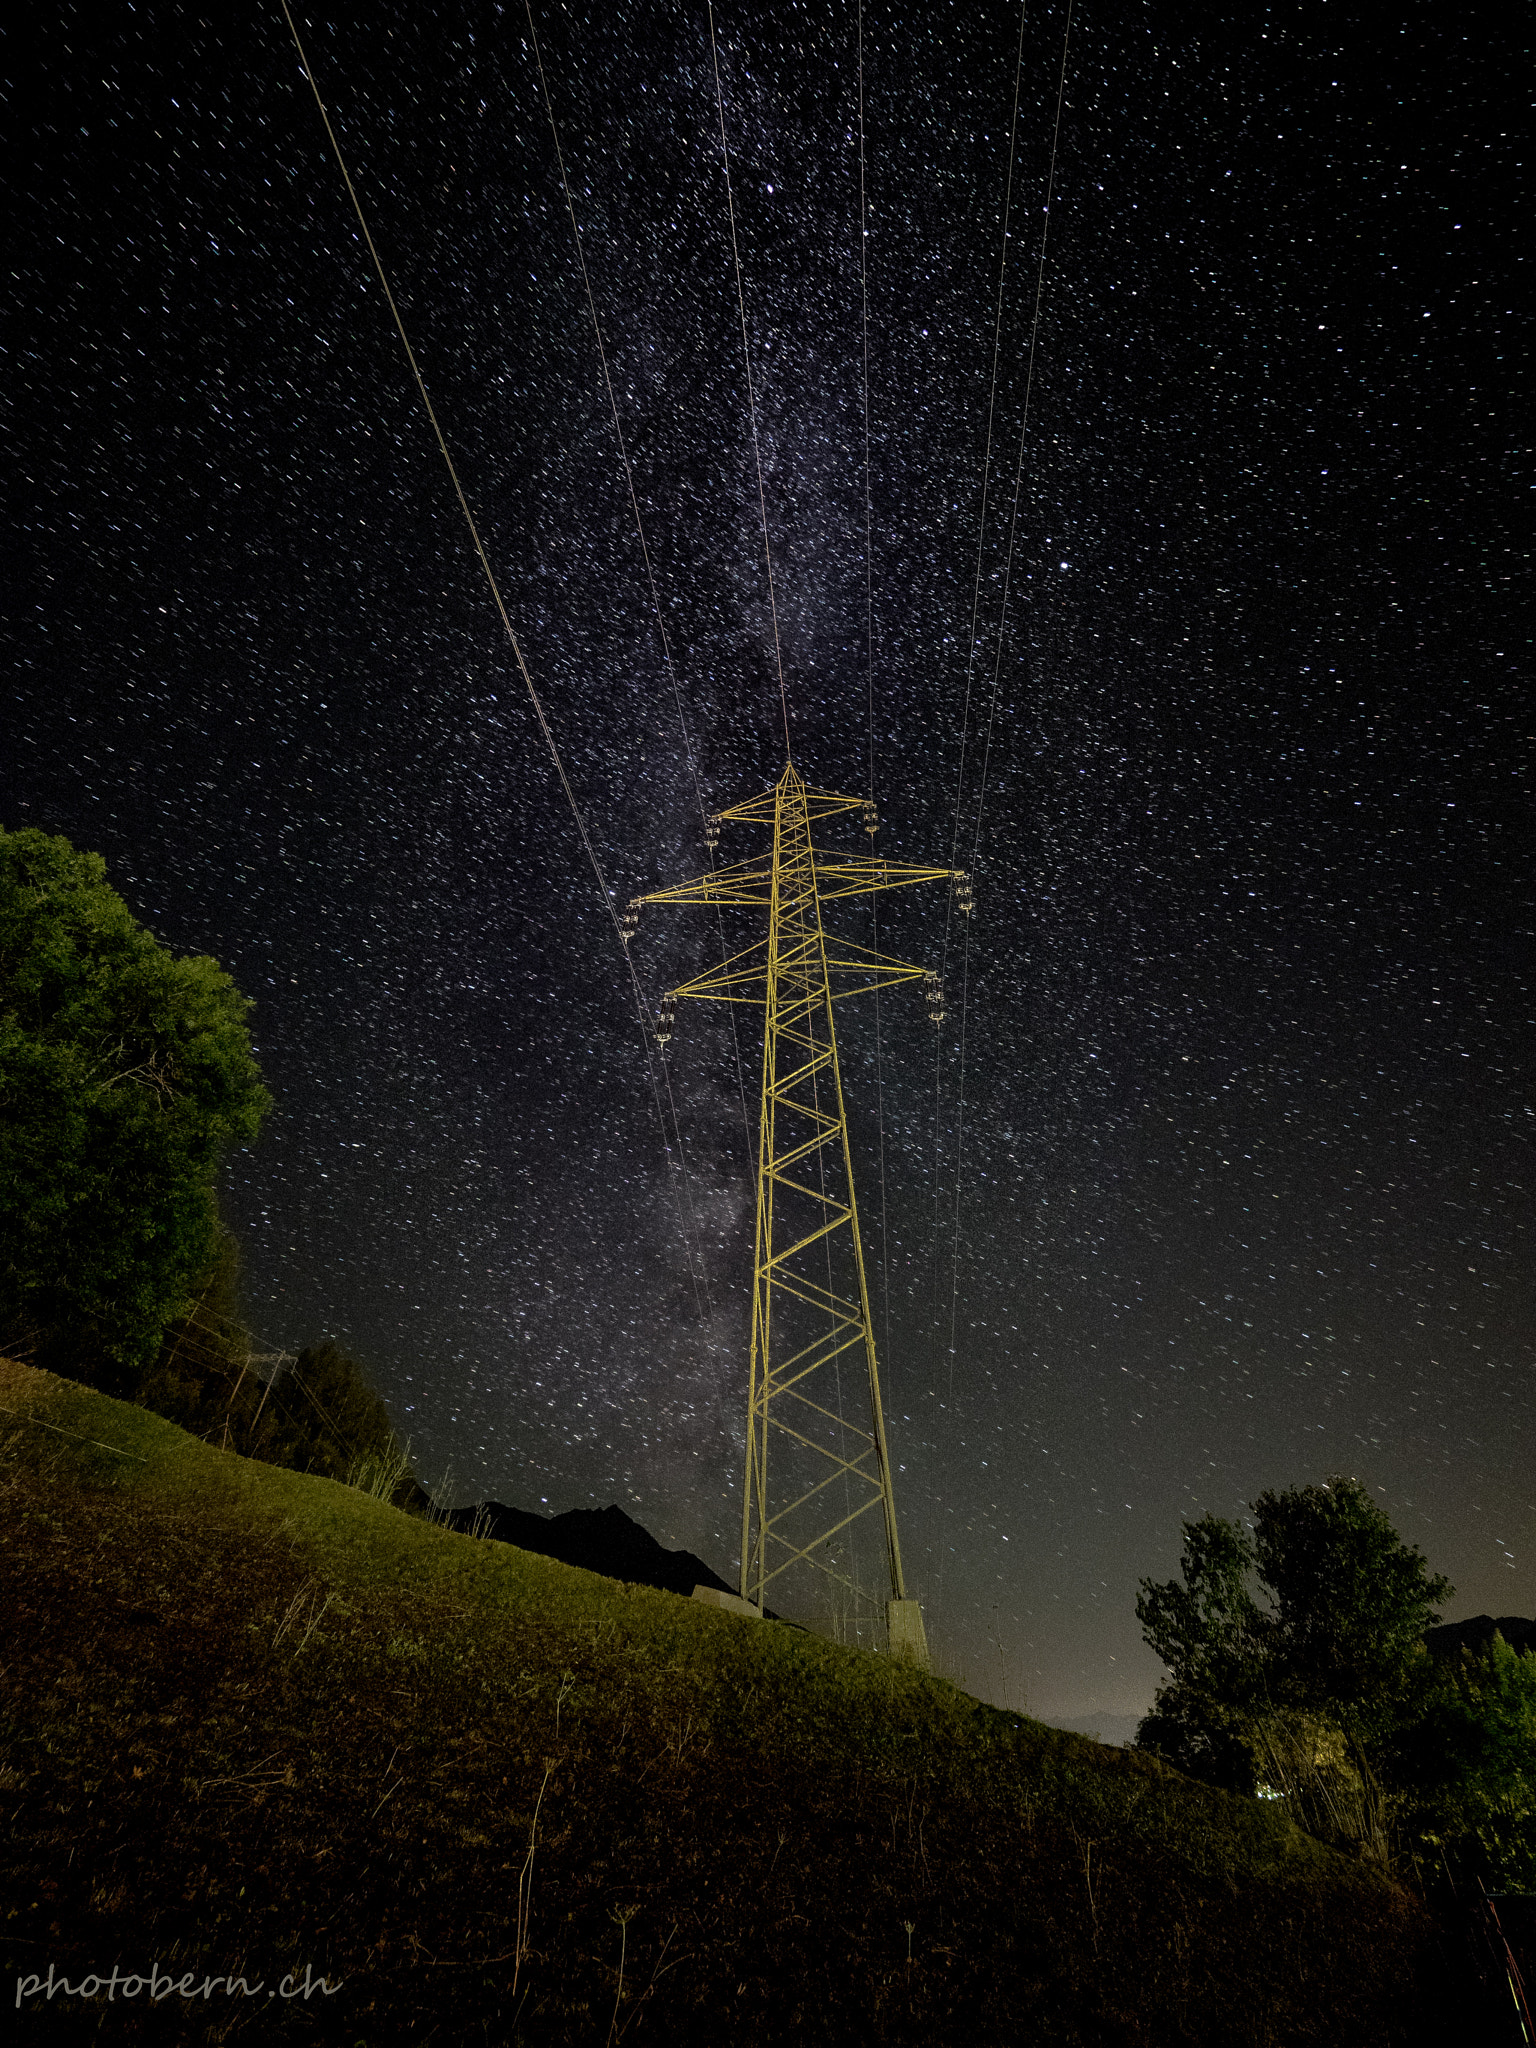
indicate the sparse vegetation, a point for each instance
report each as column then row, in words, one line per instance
column 314, row 1412
column 258, row 1721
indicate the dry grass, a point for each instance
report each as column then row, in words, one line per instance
column 255, row 1721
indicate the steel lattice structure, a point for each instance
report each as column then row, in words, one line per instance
column 810, row 1305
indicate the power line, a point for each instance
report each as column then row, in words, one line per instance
column 997, row 665
column 613, row 407
column 469, row 517
column 986, row 466
column 746, row 355
column 970, row 660
column 869, row 656
column 495, row 590
column 640, row 535
column 1018, row 474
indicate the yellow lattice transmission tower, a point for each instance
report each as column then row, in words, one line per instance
column 810, row 1472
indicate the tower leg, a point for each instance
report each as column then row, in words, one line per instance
column 904, row 1630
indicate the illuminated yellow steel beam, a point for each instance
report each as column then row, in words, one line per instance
column 764, row 809
column 743, row 977
column 749, row 884
column 800, row 1326
column 861, row 877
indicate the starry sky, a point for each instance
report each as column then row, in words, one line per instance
column 1233, row 1190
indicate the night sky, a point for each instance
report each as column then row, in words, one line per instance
column 1244, row 1168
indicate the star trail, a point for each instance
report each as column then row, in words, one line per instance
column 1243, row 1173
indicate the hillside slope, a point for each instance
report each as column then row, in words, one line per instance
column 256, row 1722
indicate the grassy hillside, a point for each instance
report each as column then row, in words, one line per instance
column 255, row 1721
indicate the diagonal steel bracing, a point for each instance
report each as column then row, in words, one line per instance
column 810, row 1300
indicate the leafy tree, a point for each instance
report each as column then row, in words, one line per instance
column 125, row 1076
column 1298, row 1670
column 1302, row 1692
column 1351, row 1604
column 1468, row 1766
column 1214, row 1638
column 316, row 1413
column 204, row 1354
column 322, row 1416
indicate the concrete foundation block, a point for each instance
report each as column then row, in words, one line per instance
column 904, row 1630
column 731, row 1602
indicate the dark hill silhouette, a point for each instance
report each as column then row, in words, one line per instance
column 1475, row 1635
column 599, row 1540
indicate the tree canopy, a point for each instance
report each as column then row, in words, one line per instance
column 1337, row 1636
column 126, row 1074
column 1298, row 1669
column 1352, row 1603
column 1471, row 1763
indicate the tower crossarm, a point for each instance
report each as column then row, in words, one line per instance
column 811, row 1237
column 858, row 969
column 805, row 1553
column 743, row 885
column 806, row 1149
column 741, row 979
column 846, row 1332
column 841, row 874
column 834, row 1306
column 748, row 884
column 764, row 809
column 830, row 1203
column 854, row 970
column 838, row 1462
column 785, row 1382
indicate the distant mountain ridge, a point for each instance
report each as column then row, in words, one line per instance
column 1475, row 1635
column 602, row 1540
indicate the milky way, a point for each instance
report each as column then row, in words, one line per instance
column 1244, row 1162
